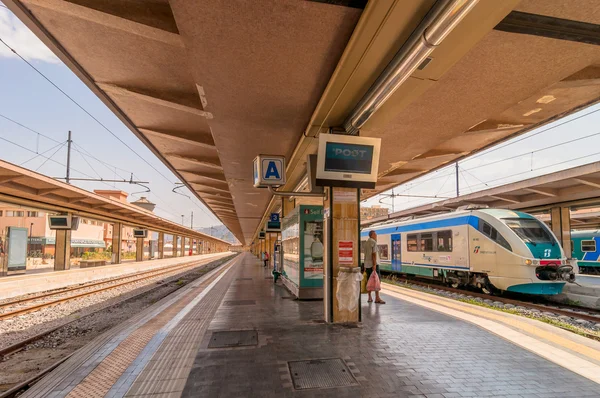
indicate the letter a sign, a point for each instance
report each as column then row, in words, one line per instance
column 269, row 170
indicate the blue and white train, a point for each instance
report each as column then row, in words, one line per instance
column 487, row 248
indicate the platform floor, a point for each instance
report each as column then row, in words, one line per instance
column 400, row 350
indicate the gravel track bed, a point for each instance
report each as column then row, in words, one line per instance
column 42, row 353
column 64, row 293
column 581, row 324
column 20, row 327
column 59, row 291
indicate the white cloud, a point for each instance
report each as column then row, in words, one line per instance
column 19, row 37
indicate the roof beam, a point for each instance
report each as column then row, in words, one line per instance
column 109, row 20
column 543, row 191
column 118, row 90
column 196, row 161
column 5, row 179
column 46, row 191
column 204, row 141
column 506, row 198
column 592, row 182
column 202, row 191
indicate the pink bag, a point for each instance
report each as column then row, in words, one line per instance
column 374, row 284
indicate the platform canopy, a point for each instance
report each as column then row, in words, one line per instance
column 19, row 186
column 576, row 188
column 208, row 85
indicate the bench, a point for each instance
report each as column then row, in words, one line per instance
column 91, row 263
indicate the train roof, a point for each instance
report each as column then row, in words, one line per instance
column 496, row 213
column 585, row 233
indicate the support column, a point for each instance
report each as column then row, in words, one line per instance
column 116, row 242
column 161, row 245
column 175, row 246
column 560, row 221
column 62, row 255
column 341, row 223
column 182, row 248
column 139, row 249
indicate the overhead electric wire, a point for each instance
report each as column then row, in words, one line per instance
column 41, row 154
column 84, row 110
column 531, row 135
column 51, row 156
column 74, row 144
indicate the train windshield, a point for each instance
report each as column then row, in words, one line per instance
column 530, row 230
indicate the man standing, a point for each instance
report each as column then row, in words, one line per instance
column 372, row 262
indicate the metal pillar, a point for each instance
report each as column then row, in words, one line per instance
column 341, row 223
column 62, row 255
column 182, row 248
column 116, row 242
column 161, row 245
column 560, row 219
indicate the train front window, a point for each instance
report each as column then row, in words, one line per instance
column 529, row 230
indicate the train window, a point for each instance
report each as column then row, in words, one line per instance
column 411, row 243
column 427, row 242
column 588, row 245
column 486, row 229
column 502, row 242
column 444, row 239
column 530, row 230
column 384, row 253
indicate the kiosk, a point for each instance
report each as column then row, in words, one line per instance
column 302, row 241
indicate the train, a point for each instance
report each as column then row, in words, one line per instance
column 586, row 249
column 494, row 250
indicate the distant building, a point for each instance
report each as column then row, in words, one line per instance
column 88, row 237
column 368, row 213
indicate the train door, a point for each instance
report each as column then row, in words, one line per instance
column 396, row 253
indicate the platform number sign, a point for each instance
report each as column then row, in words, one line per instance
column 269, row 170
column 274, row 217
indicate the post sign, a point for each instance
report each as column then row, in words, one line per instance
column 269, row 171
column 345, row 252
column 273, row 223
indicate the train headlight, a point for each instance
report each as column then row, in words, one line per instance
column 528, row 262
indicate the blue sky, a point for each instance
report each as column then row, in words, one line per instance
column 27, row 98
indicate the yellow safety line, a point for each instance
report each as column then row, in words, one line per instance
column 524, row 326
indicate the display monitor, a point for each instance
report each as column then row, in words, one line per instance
column 140, row 233
column 347, row 161
column 59, row 222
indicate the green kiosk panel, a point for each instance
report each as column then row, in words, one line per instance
column 302, row 241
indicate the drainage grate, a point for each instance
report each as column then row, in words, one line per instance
column 239, row 302
column 321, row 373
column 233, row 338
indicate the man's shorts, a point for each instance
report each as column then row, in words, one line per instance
column 370, row 271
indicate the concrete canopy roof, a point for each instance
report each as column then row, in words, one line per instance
column 20, row 186
column 207, row 85
column 576, row 188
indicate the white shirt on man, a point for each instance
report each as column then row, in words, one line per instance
column 370, row 247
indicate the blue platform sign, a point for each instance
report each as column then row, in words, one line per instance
column 274, row 217
column 269, row 170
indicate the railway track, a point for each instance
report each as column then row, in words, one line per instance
column 57, row 297
column 175, row 271
column 590, row 315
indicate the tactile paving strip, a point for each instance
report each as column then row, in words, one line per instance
column 106, row 374
column 321, row 373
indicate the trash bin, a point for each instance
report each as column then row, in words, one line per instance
column 348, row 288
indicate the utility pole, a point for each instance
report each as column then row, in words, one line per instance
column 68, row 177
column 393, row 207
column 457, row 186
column 192, row 220
column 182, row 219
